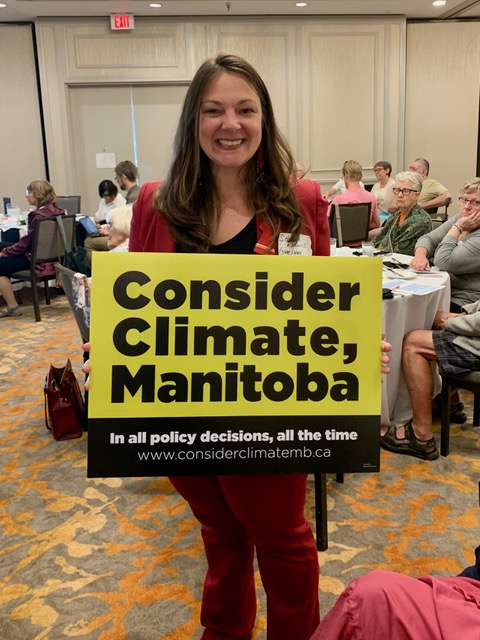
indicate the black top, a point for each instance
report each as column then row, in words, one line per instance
column 244, row 242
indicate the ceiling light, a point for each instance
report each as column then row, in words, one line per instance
column 439, row 3
column 300, row 4
column 155, row 5
column 3, row 6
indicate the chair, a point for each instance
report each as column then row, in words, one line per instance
column 46, row 247
column 469, row 381
column 436, row 222
column 71, row 204
column 350, row 222
column 440, row 216
column 66, row 278
column 321, row 514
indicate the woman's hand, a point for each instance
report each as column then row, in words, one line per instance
column 86, row 365
column 470, row 222
column 385, row 347
column 420, row 261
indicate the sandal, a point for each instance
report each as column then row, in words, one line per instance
column 10, row 312
column 410, row 445
column 457, row 413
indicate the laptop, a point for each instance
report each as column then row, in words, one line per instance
column 89, row 225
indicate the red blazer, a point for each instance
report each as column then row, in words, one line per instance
column 149, row 229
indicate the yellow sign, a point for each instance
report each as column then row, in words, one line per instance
column 228, row 335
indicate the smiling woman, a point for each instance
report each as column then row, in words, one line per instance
column 229, row 191
column 230, row 126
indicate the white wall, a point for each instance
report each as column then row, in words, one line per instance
column 442, row 100
column 103, row 120
column 337, row 85
column 21, row 152
column 362, row 88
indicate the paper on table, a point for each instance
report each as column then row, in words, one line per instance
column 415, row 288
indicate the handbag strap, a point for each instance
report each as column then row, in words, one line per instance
column 63, row 235
column 45, row 408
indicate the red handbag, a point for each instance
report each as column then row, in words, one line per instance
column 64, row 405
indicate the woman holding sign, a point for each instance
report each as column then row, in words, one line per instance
column 229, row 191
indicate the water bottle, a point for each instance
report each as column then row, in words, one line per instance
column 6, row 202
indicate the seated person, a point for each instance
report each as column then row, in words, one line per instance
column 454, row 247
column 355, row 193
column 338, row 188
column 455, row 345
column 383, row 605
column 109, row 199
column 15, row 257
column 298, row 174
column 382, row 189
column 402, row 229
column 126, row 175
column 433, row 193
column 119, row 229
column 99, row 242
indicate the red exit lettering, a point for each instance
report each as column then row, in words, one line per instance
column 121, row 22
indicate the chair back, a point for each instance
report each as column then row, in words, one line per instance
column 80, row 314
column 437, row 215
column 351, row 222
column 71, row 204
column 47, row 243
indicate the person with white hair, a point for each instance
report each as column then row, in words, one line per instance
column 119, row 228
column 402, row 229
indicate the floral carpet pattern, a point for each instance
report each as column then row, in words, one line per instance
column 121, row 558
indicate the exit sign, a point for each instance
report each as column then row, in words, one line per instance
column 120, row 22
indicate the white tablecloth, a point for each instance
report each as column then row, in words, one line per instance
column 401, row 315
column 6, row 226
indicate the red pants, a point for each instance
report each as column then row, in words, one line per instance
column 390, row 606
column 239, row 514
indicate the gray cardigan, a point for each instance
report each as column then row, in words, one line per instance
column 460, row 259
column 467, row 327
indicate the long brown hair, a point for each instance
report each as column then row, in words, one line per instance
column 188, row 197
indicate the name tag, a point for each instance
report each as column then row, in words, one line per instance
column 302, row 248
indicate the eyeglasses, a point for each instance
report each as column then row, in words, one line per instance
column 377, row 169
column 475, row 204
column 404, row 192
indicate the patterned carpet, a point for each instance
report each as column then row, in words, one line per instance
column 121, row 558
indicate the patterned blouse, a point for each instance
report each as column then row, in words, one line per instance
column 402, row 238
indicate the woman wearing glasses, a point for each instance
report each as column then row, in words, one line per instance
column 382, row 189
column 403, row 228
column 455, row 247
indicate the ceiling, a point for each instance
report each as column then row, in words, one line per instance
column 30, row 10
